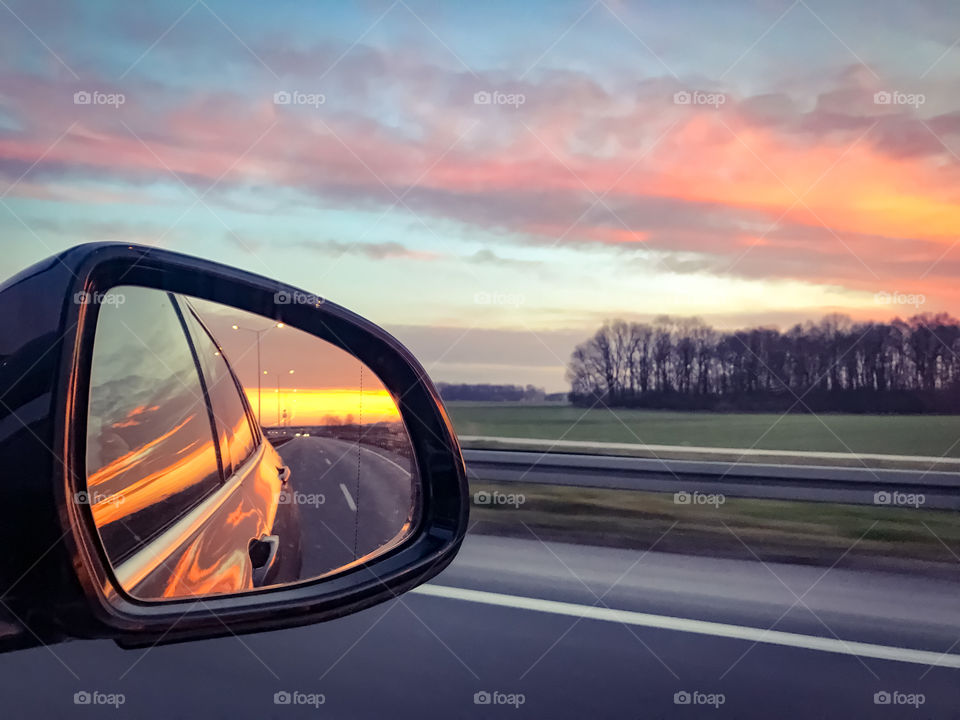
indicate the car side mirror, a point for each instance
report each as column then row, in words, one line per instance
column 190, row 451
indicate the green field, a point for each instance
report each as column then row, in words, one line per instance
column 928, row 435
column 821, row 534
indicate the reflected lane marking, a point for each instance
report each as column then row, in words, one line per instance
column 346, row 494
column 404, row 470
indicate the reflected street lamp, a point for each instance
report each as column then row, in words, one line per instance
column 258, row 334
column 277, row 376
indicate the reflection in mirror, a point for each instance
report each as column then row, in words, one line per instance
column 227, row 452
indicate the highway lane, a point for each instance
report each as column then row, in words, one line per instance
column 351, row 498
column 873, row 607
column 423, row 656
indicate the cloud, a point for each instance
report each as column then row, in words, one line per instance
column 374, row 251
column 329, row 248
column 488, row 257
column 745, row 188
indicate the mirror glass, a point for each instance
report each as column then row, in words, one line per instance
column 227, row 452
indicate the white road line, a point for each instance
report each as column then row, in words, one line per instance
column 700, row 627
column 346, row 494
column 574, row 444
column 386, row 459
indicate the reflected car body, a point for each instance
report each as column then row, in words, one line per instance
column 185, row 489
column 209, row 552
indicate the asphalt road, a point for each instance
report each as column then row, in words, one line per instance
column 428, row 656
column 352, row 499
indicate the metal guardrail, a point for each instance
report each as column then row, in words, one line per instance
column 858, row 486
column 689, row 452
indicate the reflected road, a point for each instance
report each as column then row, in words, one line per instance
column 352, row 499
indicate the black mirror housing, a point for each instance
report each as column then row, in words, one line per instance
column 55, row 580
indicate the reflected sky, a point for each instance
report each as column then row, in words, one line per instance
column 326, row 386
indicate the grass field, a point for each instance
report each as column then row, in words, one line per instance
column 930, row 435
column 821, row 534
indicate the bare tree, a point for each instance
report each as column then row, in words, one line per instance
column 902, row 366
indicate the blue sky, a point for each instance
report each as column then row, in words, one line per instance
column 491, row 237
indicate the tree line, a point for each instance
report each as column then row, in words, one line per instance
column 903, row 366
column 490, row 393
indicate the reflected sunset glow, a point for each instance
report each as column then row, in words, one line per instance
column 323, row 406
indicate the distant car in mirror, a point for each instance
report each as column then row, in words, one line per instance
column 176, row 430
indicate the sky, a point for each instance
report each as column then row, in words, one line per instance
column 491, row 181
